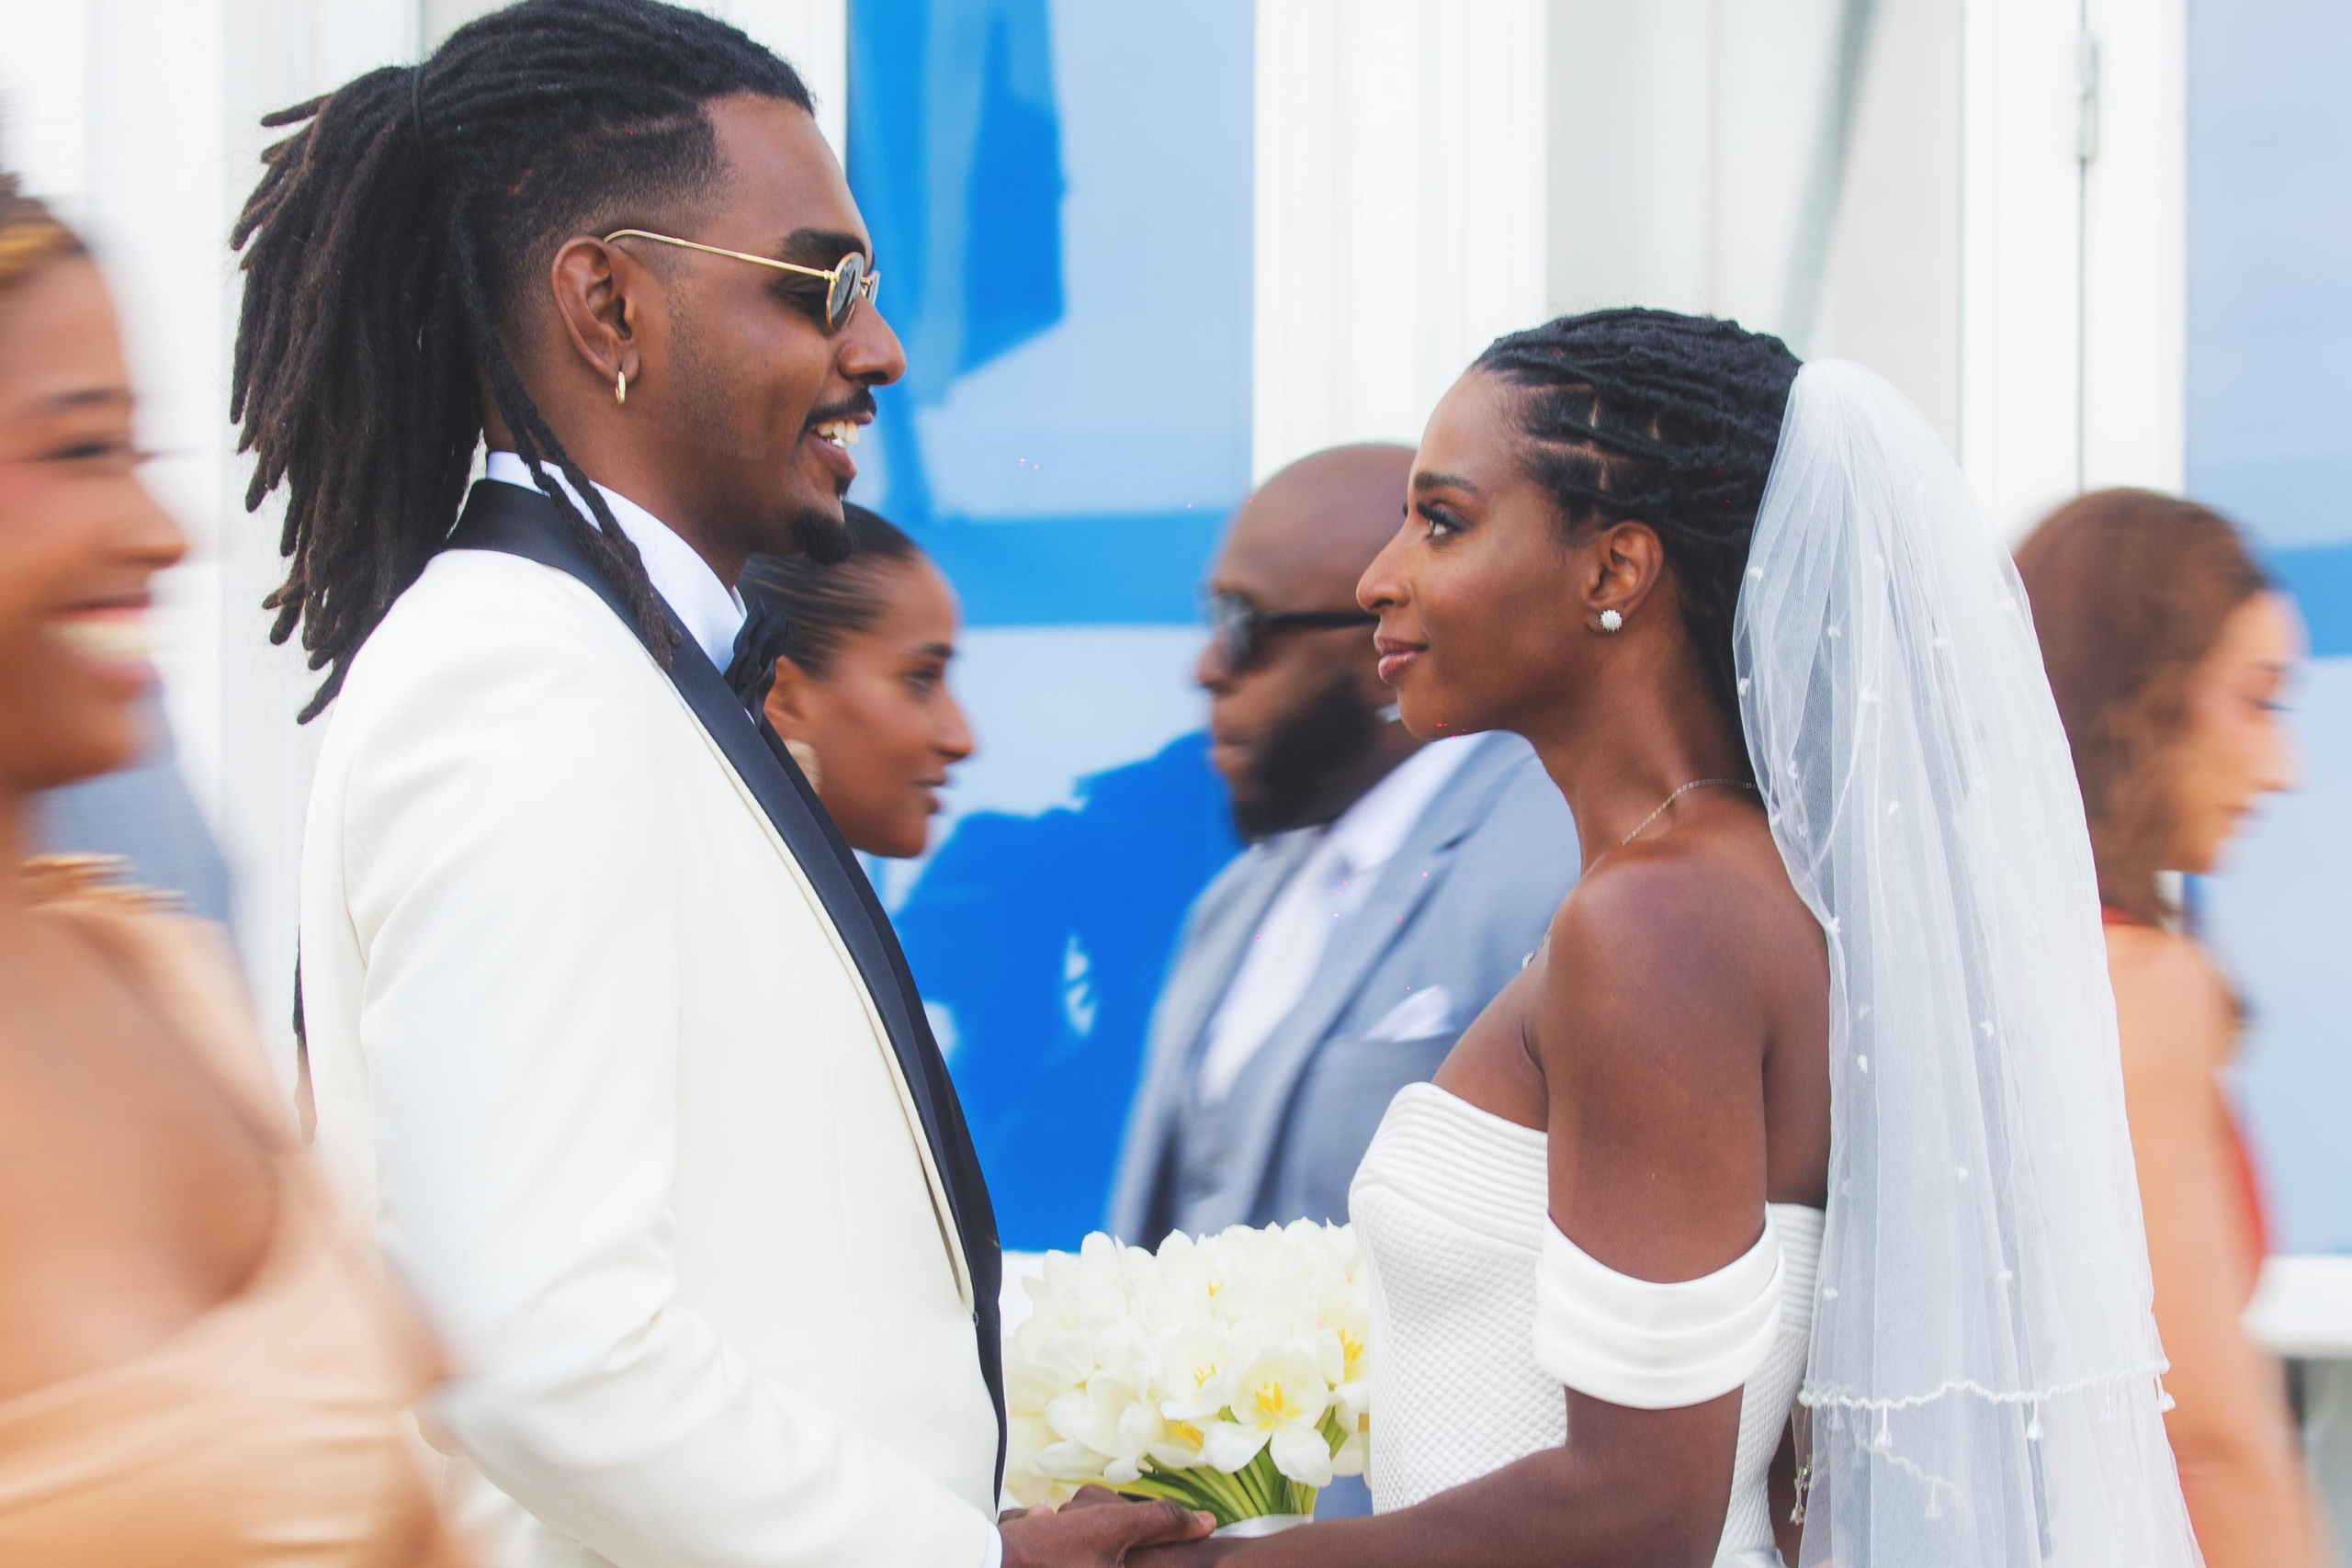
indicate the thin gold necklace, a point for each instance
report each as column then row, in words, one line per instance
column 1677, row 795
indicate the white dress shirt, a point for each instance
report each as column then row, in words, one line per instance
column 1330, row 885
column 713, row 612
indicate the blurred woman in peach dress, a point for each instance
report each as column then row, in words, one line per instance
column 2170, row 651
column 197, row 1367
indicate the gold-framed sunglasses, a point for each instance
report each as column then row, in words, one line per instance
column 846, row 281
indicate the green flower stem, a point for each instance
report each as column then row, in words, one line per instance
column 1252, row 1477
column 1204, row 1488
column 1257, row 1489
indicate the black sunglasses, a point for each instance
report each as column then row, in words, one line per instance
column 1242, row 630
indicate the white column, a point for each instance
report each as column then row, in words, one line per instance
column 2135, row 245
column 1400, row 213
column 1706, row 158
column 2020, row 257
column 1635, row 106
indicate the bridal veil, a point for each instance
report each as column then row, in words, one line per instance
column 1984, row 1386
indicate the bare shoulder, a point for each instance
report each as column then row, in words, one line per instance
column 1706, row 916
column 2173, row 1005
column 1668, row 979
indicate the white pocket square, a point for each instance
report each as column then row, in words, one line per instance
column 1422, row 1014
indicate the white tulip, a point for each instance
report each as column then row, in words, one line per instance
column 1278, row 1403
column 1197, row 1372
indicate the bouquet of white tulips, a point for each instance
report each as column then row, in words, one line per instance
column 1229, row 1373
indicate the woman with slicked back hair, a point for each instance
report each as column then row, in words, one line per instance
column 861, row 696
column 197, row 1364
column 1780, row 1142
column 715, row 1258
column 2169, row 651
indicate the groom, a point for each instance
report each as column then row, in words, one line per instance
column 717, row 1276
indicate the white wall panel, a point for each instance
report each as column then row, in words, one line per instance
column 2135, row 249
column 1890, row 288
column 1631, row 118
column 1399, row 210
column 2020, row 257
column 1706, row 158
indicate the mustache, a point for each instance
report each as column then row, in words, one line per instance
column 860, row 402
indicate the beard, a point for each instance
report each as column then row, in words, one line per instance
column 1290, row 777
column 822, row 536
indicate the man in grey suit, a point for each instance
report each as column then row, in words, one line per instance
column 1389, row 890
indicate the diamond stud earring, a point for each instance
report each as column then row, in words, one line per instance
column 1611, row 621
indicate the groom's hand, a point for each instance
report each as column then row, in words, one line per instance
column 1096, row 1528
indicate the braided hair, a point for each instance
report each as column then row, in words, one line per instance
column 394, row 235
column 1670, row 421
column 823, row 603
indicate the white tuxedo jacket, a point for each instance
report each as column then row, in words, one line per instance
column 586, row 1041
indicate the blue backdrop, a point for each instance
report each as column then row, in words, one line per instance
column 2270, row 443
column 1059, row 195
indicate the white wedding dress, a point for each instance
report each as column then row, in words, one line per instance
column 1473, row 1290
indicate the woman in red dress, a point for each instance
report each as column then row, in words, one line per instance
column 2169, row 650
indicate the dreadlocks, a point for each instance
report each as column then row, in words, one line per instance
column 1671, row 421
column 395, row 233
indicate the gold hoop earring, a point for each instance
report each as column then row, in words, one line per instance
column 620, row 387
column 805, row 756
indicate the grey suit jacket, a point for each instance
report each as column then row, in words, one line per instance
column 1455, row 915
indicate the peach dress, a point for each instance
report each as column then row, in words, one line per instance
column 270, row 1430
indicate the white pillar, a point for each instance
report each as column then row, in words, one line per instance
column 1632, row 120
column 2020, row 257
column 1400, row 212
column 1706, row 158
column 2135, row 249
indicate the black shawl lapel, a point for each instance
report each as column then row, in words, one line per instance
column 514, row 521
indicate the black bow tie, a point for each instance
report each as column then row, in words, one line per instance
column 757, row 648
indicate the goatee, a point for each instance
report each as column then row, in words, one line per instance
column 822, row 536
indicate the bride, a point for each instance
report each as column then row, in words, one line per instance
column 1810, row 1105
